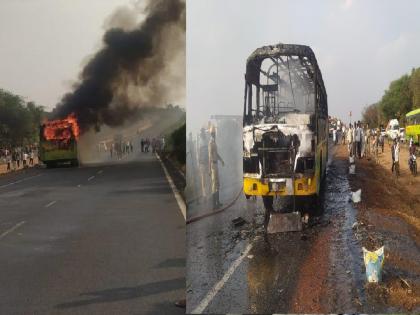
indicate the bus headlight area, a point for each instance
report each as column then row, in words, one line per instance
column 304, row 185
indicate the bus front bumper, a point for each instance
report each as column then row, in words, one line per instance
column 300, row 186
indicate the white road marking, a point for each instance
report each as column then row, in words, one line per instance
column 11, row 229
column 90, row 178
column 50, row 204
column 19, row 181
column 219, row 285
column 179, row 200
column 100, row 172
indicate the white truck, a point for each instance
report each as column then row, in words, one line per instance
column 393, row 129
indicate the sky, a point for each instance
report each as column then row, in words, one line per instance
column 360, row 45
column 45, row 43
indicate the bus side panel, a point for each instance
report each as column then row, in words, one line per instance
column 49, row 151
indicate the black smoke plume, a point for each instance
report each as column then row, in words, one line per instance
column 129, row 71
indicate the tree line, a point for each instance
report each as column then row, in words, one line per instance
column 401, row 97
column 19, row 120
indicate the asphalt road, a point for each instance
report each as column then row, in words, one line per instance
column 234, row 270
column 91, row 240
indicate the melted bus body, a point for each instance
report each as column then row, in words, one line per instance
column 285, row 126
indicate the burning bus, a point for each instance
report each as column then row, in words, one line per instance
column 58, row 142
column 285, row 132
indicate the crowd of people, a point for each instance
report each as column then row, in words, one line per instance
column 365, row 142
column 18, row 157
column 156, row 144
column 120, row 148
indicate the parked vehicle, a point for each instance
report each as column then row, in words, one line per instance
column 402, row 135
column 413, row 125
column 393, row 129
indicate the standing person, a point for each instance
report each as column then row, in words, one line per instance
column 354, row 140
column 350, row 139
column 14, row 160
column 214, row 157
column 31, row 157
column 146, row 145
column 395, row 155
column 357, row 140
column 335, row 136
column 411, row 152
column 142, row 144
column 25, row 158
column 153, row 145
column 8, row 159
column 17, row 154
column 203, row 162
column 343, row 135
column 162, row 144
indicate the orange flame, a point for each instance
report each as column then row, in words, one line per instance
column 62, row 129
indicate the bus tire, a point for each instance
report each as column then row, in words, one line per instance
column 74, row 163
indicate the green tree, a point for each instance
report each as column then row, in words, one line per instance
column 415, row 87
column 372, row 115
column 19, row 121
column 397, row 100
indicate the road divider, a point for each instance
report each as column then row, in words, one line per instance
column 50, row 204
column 219, row 285
column 11, row 229
column 178, row 197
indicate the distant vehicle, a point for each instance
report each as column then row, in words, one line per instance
column 393, row 129
column 402, row 134
column 383, row 132
column 413, row 125
column 58, row 142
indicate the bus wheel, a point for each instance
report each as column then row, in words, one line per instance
column 247, row 196
column 74, row 163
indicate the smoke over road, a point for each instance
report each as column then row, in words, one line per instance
column 138, row 66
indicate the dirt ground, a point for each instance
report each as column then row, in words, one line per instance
column 389, row 215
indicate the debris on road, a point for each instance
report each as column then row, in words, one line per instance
column 239, row 221
column 356, row 196
column 374, row 261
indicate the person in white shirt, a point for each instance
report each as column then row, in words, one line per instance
column 350, row 139
column 25, row 158
column 357, row 140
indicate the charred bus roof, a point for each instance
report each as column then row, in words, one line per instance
column 305, row 54
column 288, row 77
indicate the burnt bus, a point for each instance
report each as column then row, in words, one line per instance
column 58, row 142
column 285, row 127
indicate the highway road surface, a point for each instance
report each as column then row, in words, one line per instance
column 105, row 239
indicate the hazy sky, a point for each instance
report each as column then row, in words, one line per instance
column 44, row 43
column 360, row 47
